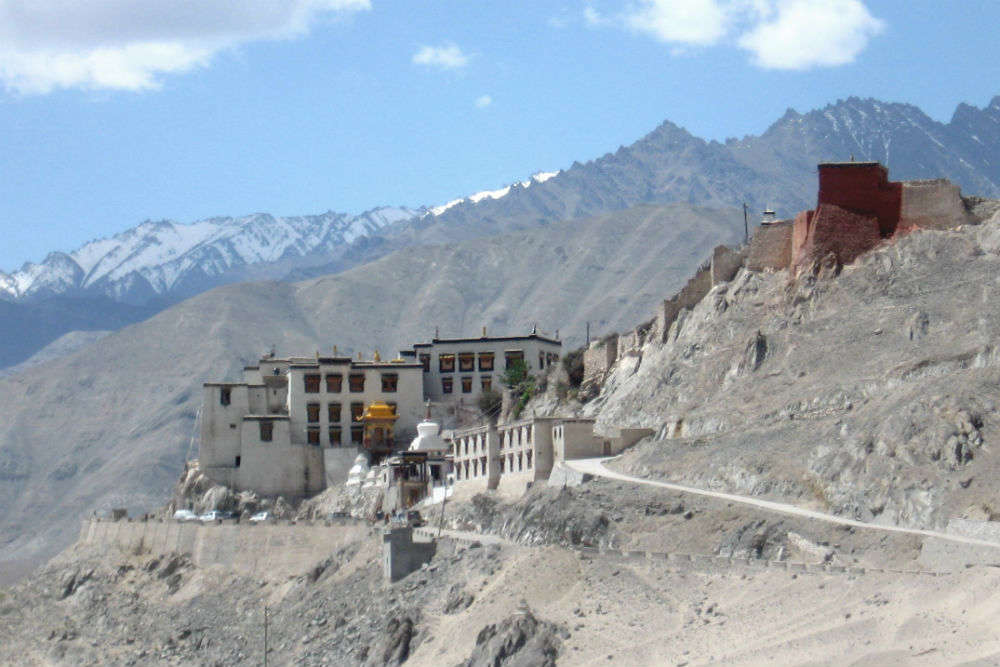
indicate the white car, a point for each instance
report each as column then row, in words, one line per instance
column 185, row 515
column 260, row 516
column 215, row 515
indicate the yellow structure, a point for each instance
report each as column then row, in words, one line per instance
column 379, row 421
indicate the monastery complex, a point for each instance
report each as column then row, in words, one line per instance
column 295, row 426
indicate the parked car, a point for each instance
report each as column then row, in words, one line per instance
column 185, row 515
column 414, row 518
column 260, row 516
column 215, row 515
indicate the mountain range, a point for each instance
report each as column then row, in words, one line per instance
column 110, row 423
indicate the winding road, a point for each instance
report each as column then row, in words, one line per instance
column 597, row 468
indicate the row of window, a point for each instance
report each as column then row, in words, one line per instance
column 312, row 434
column 448, row 384
column 355, row 382
column 333, row 412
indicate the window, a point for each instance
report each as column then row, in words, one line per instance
column 335, row 436
column 357, row 411
column 486, row 382
column 312, row 436
column 389, row 382
column 541, row 360
column 333, row 413
column 225, row 396
column 334, row 383
column 312, row 412
column 485, row 361
column 467, row 385
column 512, row 357
column 237, row 462
column 446, row 363
column 266, row 431
column 446, row 385
column 553, row 358
column 357, row 435
column 312, row 383
column 357, row 382
column 425, row 361
column 466, row 361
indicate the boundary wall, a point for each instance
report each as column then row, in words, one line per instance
column 274, row 549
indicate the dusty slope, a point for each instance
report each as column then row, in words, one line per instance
column 110, row 425
column 91, row 607
column 871, row 394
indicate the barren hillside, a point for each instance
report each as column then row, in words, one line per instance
column 111, row 424
column 872, row 393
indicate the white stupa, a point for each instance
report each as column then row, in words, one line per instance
column 428, row 436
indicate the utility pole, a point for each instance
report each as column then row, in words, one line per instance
column 265, row 635
column 588, row 334
column 746, row 224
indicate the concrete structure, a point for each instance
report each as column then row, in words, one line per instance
column 401, row 555
column 460, row 369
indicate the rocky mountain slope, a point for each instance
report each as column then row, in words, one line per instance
column 160, row 263
column 871, row 393
column 110, row 424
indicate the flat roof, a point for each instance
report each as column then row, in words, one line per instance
column 852, row 164
column 224, row 384
column 488, row 339
column 268, row 417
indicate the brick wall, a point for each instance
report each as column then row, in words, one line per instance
column 598, row 358
column 726, row 262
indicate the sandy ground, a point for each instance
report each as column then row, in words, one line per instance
column 649, row 613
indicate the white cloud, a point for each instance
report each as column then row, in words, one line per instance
column 810, row 33
column 483, row 101
column 446, row 56
column 779, row 34
column 117, row 44
column 700, row 22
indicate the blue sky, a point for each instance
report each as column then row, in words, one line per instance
column 190, row 110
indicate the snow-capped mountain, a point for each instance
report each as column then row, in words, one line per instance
column 539, row 177
column 156, row 258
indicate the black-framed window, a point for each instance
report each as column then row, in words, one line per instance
column 357, row 435
column 334, row 383
column 357, row 412
column 446, row 363
column 333, row 413
column 390, row 381
column 513, row 357
column 312, row 436
column 467, row 385
column 357, row 382
column 266, row 431
column 335, row 436
column 311, row 382
column 425, row 361
column 225, row 396
column 486, row 383
column 466, row 362
column 312, row 412
column 446, row 385
column 485, row 361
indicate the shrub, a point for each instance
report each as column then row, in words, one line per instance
column 490, row 403
column 573, row 363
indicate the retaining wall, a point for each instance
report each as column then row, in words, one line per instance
column 934, row 204
column 771, row 247
column 942, row 555
column 275, row 549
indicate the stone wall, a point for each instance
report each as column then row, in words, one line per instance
column 726, row 262
column 846, row 234
column 598, row 358
column 935, row 204
column 694, row 291
column 770, row 247
column 275, row 549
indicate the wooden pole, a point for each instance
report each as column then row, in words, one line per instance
column 746, row 224
column 265, row 635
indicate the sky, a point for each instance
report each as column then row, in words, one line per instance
column 186, row 110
